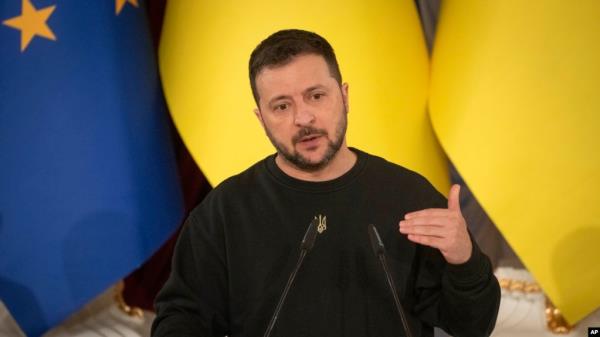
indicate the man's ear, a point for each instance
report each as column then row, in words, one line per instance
column 345, row 96
column 259, row 116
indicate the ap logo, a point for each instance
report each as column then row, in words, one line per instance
column 594, row 332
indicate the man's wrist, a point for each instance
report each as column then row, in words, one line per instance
column 471, row 271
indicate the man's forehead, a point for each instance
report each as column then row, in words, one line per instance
column 301, row 74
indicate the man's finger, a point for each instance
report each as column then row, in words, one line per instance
column 454, row 198
column 436, row 231
column 439, row 221
column 430, row 241
column 427, row 212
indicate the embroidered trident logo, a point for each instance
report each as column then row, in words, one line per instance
column 322, row 223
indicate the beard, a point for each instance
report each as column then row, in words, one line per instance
column 300, row 161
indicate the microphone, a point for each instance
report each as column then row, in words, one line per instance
column 379, row 250
column 308, row 241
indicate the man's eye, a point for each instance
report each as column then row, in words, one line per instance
column 281, row 107
column 318, row 96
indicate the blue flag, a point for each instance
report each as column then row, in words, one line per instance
column 88, row 182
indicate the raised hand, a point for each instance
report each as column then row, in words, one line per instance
column 441, row 228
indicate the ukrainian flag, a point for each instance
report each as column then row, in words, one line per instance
column 514, row 102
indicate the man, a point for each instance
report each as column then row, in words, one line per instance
column 240, row 244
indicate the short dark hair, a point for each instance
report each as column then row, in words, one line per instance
column 281, row 47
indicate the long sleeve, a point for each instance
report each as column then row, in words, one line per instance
column 461, row 299
column 473, row 288
column 467, row 300
column 194, row 300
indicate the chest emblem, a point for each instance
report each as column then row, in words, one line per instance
column 322, row 226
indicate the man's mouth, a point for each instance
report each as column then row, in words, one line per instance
column 309, row 142
column 309, row 138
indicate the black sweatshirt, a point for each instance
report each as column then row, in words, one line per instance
column 240, row 244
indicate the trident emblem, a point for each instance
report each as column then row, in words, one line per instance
column 322, row 223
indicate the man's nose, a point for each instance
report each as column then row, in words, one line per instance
column 304, row 114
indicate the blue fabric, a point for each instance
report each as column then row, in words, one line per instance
column 88, row 181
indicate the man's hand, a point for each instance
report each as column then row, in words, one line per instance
column 441, row 228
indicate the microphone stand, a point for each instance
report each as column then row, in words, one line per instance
column 379, row 250
column 307, row 243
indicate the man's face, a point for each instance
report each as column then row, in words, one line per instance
column 303, row 111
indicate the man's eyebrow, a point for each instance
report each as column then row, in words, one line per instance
column 309, row 89
column 277, row 98
column 315, row 87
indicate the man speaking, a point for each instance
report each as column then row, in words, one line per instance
column 245, row 243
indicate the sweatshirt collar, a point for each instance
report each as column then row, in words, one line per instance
column 317, row 186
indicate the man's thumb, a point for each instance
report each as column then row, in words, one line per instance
column 454, row 198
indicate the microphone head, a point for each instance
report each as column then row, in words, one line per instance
column 376, row 242
column 310, row 236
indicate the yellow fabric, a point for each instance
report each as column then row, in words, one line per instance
column 204, row 55
column 515, row 103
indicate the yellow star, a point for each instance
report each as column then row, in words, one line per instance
column 120, row 3
column 32, row 22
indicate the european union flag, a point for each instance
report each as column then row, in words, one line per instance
column 88, row 182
